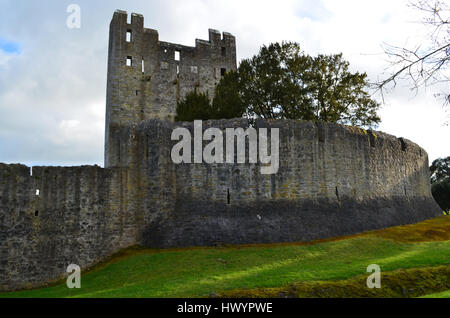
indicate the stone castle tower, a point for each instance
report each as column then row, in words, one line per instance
column 146, row 76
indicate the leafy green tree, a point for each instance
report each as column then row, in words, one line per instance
column 440, row 179
column 271, row 86
column 440, row 170
column 339, row 95
column 227, row 102
column 282, row 82
column 194, row 106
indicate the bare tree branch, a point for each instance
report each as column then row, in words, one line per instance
column 429, row 63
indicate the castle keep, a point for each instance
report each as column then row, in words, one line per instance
column 146, row 76
column 332, row 180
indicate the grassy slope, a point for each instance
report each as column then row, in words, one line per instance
column 199, row 272
column 445, row 294
column 410, row 282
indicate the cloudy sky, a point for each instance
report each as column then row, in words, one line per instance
column 53, row 79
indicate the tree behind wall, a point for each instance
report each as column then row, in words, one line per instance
column 194, row 106
column 283, row 82
column 226, row 103
column 440, row 179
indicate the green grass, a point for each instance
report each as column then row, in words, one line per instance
column 411, row 282
column 445, row 294
column 198, row 272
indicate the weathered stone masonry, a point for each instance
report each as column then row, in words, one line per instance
column 333, row 180
column 59, row 216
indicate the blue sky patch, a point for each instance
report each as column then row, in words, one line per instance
column 314, row 10
column 9, row 47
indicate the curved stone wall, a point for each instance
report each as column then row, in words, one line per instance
column 332, row 180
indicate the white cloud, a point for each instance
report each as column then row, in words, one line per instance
column 4, row 58
column 419, row 121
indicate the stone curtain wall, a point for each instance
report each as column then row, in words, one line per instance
column 332, row 180
column 81, row 216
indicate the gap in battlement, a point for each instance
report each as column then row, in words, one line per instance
column 403, row 144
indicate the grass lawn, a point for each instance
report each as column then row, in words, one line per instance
column 199, row 272
column 445, row 294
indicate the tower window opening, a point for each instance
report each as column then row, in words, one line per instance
column 228, row 196
column 223, row 71
column 36, row 213
column 128, row 38
column 143, row 66
column 177, row 55
column 137, row 93
column 178, row 69
column 37, row 191
column 129, row 61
